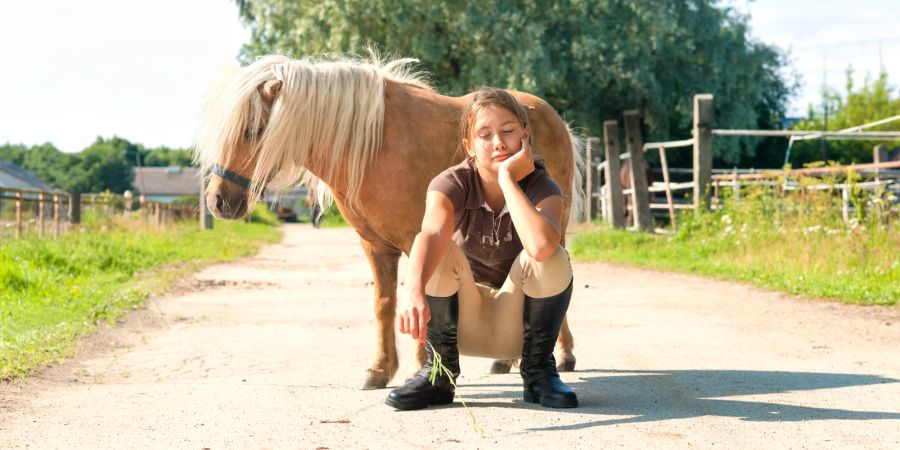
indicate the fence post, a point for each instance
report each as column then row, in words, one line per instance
column 613, row 182
column 40, row 218
column 635, row 144
column 206, row 220
column 703, row 117
column 736, row 187
column 879, row 155
column 57, row 209
column 75, row 208
column 588, row 193
column 664, row 165
column 845, row 204
column 128, row 200
column 18, row 215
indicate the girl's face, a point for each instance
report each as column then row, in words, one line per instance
column 496, row 135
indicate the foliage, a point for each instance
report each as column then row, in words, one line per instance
column 796, row 243
column 167, row 157
column 52, row 291
column 102, row 166
column 262, row 214
column 332, row 218
column 187, row 200
column 105, row 165
column 591, row 59
column 873, row 101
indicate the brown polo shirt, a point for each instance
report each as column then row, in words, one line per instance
column 488, row 238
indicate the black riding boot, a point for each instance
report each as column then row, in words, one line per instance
column 543, row 318
column 418, row 392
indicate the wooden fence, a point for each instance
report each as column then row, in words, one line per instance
column 51, row 213
column 704, row 186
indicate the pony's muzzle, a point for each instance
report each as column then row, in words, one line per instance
column 227, row 203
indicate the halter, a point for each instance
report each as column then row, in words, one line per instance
column 231, row 176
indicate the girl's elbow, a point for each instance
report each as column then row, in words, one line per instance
column 543, row 252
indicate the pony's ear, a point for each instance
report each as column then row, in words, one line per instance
column 269, row 90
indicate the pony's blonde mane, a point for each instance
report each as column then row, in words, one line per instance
column 329, row 111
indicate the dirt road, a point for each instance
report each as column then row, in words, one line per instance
column 270, row 351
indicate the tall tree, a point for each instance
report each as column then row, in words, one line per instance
column 591, row 59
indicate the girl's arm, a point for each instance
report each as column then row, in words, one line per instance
column 429, row 248
column 538, row 225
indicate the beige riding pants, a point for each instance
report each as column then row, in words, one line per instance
column 490, row 320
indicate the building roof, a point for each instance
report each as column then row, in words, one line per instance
column 167, row 180
column 13, row 176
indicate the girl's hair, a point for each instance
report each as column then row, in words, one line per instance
column 491, row 96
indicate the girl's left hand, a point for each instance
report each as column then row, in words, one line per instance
column 521, row 164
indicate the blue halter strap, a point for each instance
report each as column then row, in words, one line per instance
column 231, row 176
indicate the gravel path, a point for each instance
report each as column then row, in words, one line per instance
column 270, row 351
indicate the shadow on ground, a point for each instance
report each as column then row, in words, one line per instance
column 649, row 396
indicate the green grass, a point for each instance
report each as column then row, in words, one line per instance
column 53, row 291
column 794, row 244
column 333, row 219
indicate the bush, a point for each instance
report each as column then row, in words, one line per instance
column 262, row 214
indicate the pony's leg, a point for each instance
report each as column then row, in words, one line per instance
column 566, row 343
column 384, row 264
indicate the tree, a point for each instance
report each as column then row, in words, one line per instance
column 102, row 166
column 873, row 101
column 45, row 161
column 591, row 59
column 167, row 157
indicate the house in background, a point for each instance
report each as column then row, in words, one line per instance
column 14, row 177
column 165, row 184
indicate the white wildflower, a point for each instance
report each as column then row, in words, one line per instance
column 726, row 218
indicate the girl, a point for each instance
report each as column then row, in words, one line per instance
column 487, row 274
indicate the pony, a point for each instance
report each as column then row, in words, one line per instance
column 367, row 135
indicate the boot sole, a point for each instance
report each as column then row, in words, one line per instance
column 551, row 403
column 440, row 399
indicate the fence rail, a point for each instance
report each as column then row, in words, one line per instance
column 24, row 211
column 614, row 201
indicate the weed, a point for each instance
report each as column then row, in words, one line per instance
column 438, row 369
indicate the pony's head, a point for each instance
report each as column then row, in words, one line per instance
column 280, row 123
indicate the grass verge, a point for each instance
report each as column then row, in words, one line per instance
column 799, row 245
column 54, row 291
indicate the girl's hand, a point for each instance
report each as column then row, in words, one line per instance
column 521, row 164
column 414, row 319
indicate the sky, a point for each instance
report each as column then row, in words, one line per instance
column 73, row 71
column 824, row 37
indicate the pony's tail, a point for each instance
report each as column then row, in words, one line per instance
column 576, row 209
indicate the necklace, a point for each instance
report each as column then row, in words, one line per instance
column 495, row 229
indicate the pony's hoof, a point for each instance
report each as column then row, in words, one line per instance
column 375, row 381
column 566, row 364
column 500, row 366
